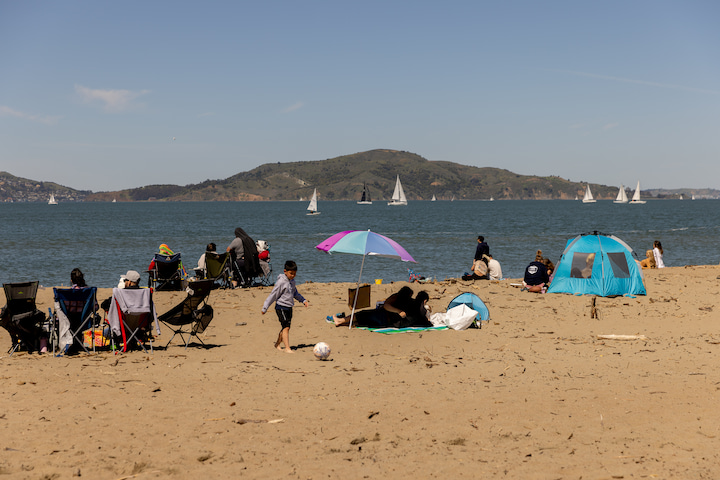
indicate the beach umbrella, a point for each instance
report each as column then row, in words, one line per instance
column 364, row 242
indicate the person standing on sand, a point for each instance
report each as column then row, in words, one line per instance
column 284, row 294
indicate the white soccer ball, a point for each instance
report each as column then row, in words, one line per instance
column 321, row 351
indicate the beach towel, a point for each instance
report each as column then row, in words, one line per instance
column 390, row 330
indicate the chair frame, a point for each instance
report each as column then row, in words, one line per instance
column 21, row 306
column 186, row 312
column 222, row 274
column 86, row 315
column 160, row 262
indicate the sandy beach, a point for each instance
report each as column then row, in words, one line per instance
column 535, row 393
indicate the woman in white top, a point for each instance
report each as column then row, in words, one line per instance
column 658, row 253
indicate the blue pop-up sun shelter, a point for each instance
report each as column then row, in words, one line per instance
column 597, row 264
column 472, row 301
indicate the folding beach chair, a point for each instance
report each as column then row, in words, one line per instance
column 167, row 272
column 264, row 277
column 193, row 312
column 218, row 269
column 75, row 312
column 20, row 317
column 131, row 315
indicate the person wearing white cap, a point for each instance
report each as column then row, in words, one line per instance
column 131, row 279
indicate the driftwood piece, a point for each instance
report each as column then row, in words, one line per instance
column 622, row 337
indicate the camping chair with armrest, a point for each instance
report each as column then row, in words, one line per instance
column 131, row 317
column 218, row 269
column 20, row 317
column 193, row 312
column 167, row 272
column 75, row 312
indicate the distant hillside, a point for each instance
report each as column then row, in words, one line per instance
column 342, row 178
column 17, row 189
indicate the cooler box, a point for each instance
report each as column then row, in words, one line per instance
column 100, row 340
column 363, row 300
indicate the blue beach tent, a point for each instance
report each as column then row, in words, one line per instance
column 472, row 301
column 597, row 264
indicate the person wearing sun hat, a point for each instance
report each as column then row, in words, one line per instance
column 131, row 279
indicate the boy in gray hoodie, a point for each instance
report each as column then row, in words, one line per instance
column 284, row 294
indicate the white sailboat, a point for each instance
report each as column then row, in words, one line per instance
column 588, row 198
column 398, row 196
column 636, row 196
column 365, row 199
column 433, row 199
column 52, row 200
column 492, row 199
column 312, row 206
column 114, row 200
column 621, row 196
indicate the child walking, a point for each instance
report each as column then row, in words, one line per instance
column 284, row 294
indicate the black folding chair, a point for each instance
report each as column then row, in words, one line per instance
column 20, row 317
column 192, row 313
column 166, row 273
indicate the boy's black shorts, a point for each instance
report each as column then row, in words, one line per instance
column 284, row 315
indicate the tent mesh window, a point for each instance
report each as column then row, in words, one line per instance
column 582, row 264
column 619, row 265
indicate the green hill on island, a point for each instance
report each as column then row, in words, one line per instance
column 342, row 178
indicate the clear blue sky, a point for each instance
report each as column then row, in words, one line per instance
column 93, row 93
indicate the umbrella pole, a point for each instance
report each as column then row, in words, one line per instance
column 357, row 292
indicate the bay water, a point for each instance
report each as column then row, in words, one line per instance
column 45, row 242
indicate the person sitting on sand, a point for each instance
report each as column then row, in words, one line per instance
column 536, row 275
column 658, row 253
column 398, row 311
column 494, row 270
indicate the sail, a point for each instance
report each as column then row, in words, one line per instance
column 365, row 198
column 636, row 195
column 398, row 196
column 52, row 200
column 588, row 198
column 312, row 206
column 621, row 196
column 433, row 199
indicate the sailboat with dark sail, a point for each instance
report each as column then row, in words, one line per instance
column 365, row 199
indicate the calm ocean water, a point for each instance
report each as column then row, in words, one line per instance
column 44, row 242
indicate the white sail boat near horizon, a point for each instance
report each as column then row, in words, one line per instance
column 52, row 200
column 365, row 198
column 588, row 198
column 398, row 196
column 636, row 196
column 621, row 196
column 433, row 199
column 312, row 206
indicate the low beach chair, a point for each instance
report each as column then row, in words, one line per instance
column 167, row 272
column 20, row 317
column 75, row 312
column 192, row 313
column 131, row 317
